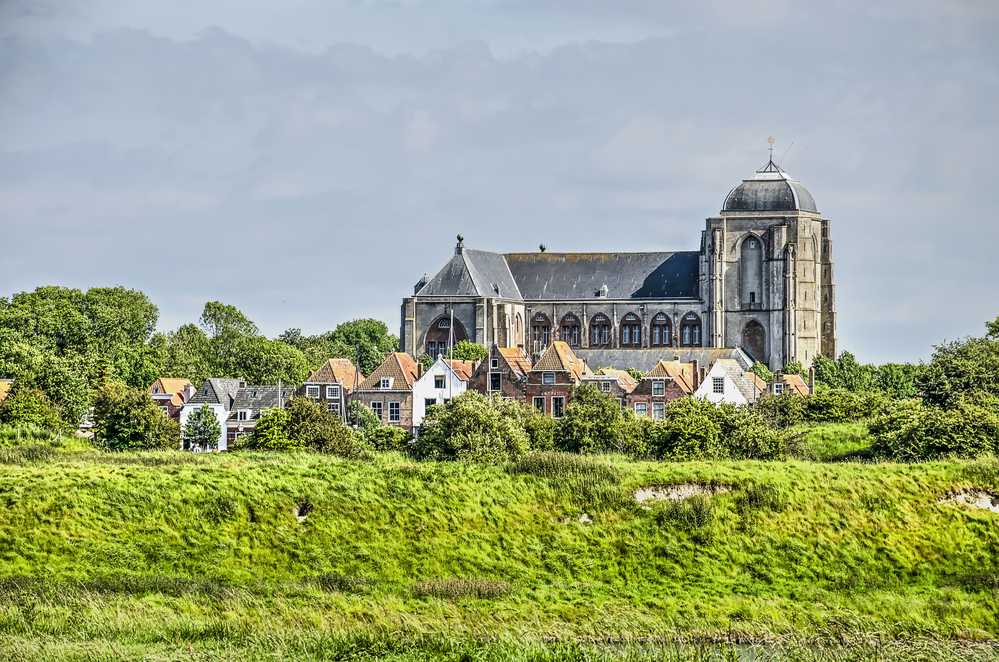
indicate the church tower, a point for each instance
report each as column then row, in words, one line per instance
column 767, row 273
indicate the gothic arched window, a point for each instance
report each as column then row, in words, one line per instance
column 661, row 330
column 690, row 330
column 600, row 331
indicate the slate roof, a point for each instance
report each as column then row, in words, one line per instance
column 257, row 399
column 473, row 273
column 517, row 360
column 583, row 276
column 646, row 359
column 559, row 357
column 770, row 189
column 173, row 386
column 681, row 373
column 216, row 391
column 336, row 371
column 744, row 380
column 400, row 367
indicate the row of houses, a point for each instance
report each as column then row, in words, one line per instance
column 399, row 391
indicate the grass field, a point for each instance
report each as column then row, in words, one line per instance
column 252, row 556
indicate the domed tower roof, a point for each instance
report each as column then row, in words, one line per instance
column 770, row 189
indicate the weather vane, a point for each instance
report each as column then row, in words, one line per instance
column 771, row 141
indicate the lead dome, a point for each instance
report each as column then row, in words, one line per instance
column 770, row 189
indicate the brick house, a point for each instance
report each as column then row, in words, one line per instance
column 549, row 381
column 665, row 382
column 331, row 385
column 782, row 383
column 615, row 382
column 503, row 372
column 249, row 403
column 443, row 381
column 388, row 391
column 170, row 394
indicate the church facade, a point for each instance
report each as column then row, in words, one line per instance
column 761, row 282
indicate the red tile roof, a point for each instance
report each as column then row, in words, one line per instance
column 340, row 371
column 797, row 383
column 559, row 356
column 624, row 376
column 399, row 366
column 173, row 386
column 463, row 369
column 681, row 373
column 517, row 359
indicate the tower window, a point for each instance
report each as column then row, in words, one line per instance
column 752, row 297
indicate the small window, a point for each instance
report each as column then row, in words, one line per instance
column 377, row 408
column 539, row 404
column 659, row 388
column 312, row 391
column 444, row 324
column 394, row 412
column 558, row 407
column 752, row 297
column 752, row 243
column 165, row 410
column 332, row 392
column 243, row 415
column 429, row 401
column 778, row 388
column 718, row 384
column 658, row 410
column 156, row 390
column 386, row 383
column 606, row 385
column 494, row 364
column 495, row 381
column 548, row 378
column 334, row 407
column 642, row 408
column 439, row 381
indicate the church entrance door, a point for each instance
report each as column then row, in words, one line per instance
column 754, row 341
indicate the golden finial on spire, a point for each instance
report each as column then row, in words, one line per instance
column 771, row 141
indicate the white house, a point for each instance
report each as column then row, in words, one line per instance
column 726, row 381
column 443, row 381
column 219, row 394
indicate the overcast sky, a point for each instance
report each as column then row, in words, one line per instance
column 307, row 161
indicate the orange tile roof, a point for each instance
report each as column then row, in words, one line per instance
column 623, row 375
column 172, row 385
column 517, row 359
column 4, row 389
column 463, row 369
column 399, row 366
column 559, row 356
column 339, row 371
column 681, row 373
column 797, row 383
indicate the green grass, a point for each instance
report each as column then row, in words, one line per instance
column 832, row 442
column 171, row 555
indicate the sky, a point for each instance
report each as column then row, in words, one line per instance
column 307, row 161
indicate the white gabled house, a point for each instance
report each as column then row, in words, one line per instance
column 443, row 381
column 726, row 381
column 220, row 395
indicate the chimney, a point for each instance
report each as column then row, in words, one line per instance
column 811, row 381
column 188, row 392
column 696, row 375
column 242, row 382
column 475, row 365
column 704, row 374
column 419, row 370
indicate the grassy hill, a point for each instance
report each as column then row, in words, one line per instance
column 172, row 556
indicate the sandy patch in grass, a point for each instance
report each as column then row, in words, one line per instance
column 976, row 498
column 678, row 492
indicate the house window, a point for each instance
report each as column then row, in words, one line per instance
column 432, row 349
column 686, row 335
column 548, row 378
column 439, row 381
column 636, row 334
column 658, row 410
column 334, row 407
column 377, row 408
column 575, row 335
column 156, row 390
column 642, row 408
column 312, row 391
column 659, row 388
column 606, row 386
column 243, row 414
column 394, row 412
column 656, row 335
column 165, row 410
column 332, row 392
column 494, row 364
column 778, row 388
column 558, row 407
column 718, row 384
column 429, row 401
column 495, row 381
column 539, row 404
column 386, row 383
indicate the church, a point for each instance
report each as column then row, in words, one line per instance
column 760, row 287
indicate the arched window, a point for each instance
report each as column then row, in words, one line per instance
column 541, row 331
column 570, row 329
column 751, row 274
column 690, row 330
column 600, row 331
column 631, row 331
column 439, row 334
column 518, row 325
column 661, row 330
column 754, row 341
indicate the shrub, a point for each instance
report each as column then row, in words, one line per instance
column 595, row 421
column 128, row 419
column 29, row 407
column 390, row 438
column 694, row 515
column 303, row 424
column 909, row 430
column 270, row 433
column 690, row 431
column 473, row 427
column 539, row 428
column 836, row 405
column 781, row 411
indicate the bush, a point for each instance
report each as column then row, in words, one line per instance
column 694, row 515
column 473, row 427
column 909, row 430
column 690, row 431
column 781, row 411
column 595, row 421
column 29, row 407
column 837, row 405
column 128, row 419
column 390, row 438
column 303, row 424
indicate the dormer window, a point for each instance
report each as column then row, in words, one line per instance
column 156, row 390
column 438, row 381
column 386, row 383
column 254, row 394
column 244, row 414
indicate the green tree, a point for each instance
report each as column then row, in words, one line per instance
column 960, row 368
column 690, row 431
column 897, row 381
column 271, row 433
column 128, row 419
column 203, row 428
column 29, row 406
column 761, row 371
column 794, row 368
column 595, row 421
column 467, row 350
column 636, row 374
column 473, row 427
column 314, row 426
column 361, row 416
column 373, row 338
